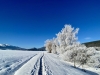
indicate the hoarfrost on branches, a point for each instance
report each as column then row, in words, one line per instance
column 67, row 46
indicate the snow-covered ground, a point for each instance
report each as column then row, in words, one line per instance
column 36, row 63
column 10, row 60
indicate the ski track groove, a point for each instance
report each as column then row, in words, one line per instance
column 47, row 68
column 36, row 67
column 37, row 70
column 40, row 69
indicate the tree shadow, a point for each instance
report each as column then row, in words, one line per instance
column 86, row 71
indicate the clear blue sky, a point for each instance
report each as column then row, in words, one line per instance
column 28, row 23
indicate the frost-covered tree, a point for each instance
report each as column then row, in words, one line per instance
column 54, row 44
column 82, row 56
column 67, row 37
column 75, row 53
column 94, row 59
column 91, row 51
column 48, row 45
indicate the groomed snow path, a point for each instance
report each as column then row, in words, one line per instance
column 49, row 64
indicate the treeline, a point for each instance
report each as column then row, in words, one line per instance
column 37, row 49
column 93, row 44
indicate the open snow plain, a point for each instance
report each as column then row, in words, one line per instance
column 35, row 63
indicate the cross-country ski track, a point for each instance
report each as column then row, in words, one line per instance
column 43, row 63
column 46, row 64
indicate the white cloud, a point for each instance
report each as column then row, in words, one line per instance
column 87, row 38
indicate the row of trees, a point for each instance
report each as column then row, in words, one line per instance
column 67, row 46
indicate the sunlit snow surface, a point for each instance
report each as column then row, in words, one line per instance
column 36, row 63
column 10, row 60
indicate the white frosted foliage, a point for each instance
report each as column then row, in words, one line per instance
column 68, row 47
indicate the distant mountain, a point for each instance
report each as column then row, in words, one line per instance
column 41, row 49
column 37, row 49
column 93, row 44
column 11, row 47
column 6, row 46
column 32, row 49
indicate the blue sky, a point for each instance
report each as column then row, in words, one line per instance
column 28, row 23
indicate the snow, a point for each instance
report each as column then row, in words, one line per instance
column 55, row 66
column 87, row 68
column 4, row 45
column 31, row 67
column 12, row 60
column 36, row 63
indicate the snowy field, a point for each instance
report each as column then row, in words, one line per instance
column 10, row 61
column 36, row 63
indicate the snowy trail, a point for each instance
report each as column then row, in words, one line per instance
column 53, row 66
column 39, row 63
column 32, row 67
column 48, row 64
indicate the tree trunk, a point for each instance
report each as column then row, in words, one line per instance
column 74, row 63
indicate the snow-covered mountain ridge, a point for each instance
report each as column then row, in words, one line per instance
column 11, row 47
